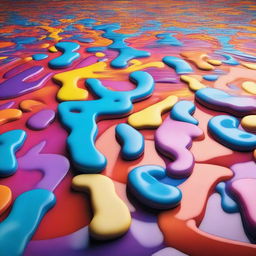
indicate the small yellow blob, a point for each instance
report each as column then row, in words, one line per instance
column 214, row 62
column 52, row 49
column 193, row 83
column 100, row 54
column 249, row 122
column 150, row 117
column 2, row 58
column 28, row 59
column 112, row 217
column 46, row 45
column 249, row 87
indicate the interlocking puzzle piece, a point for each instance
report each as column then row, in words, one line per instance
column 10, row 143
column 227, row 203
column 183, row 111
column 145, row 184
column 244, row 190
column 53, row 166
column 193, row 83
column 225, row 130
column 150, row 117
column 69, row 55
column 184, row 220
column 132, row 141
column 221, row 101
column 41, row 119
column 69, row 89
column 17, row 85
column 5, row 198
column 173, row 139
column 111, row 216
column 27, row 212
column 79, row 117
column 180, row 65
column 9, row 114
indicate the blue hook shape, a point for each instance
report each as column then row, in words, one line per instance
column 27, row 212
column 10, row 143
column 132, row 141
column 227, row 203
column 180, row 65
column 225, row 130
column 68, row 56
column 183, row 111
column 144, row 183
column 80, row 118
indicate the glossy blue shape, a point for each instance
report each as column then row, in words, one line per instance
column 126, row 54
column 143, row 182
column 10, row 143
column 180, row 65
column 230, row 60
column 225, row 130
column 27, row 212
column 80, row 117
column 183, row 111
column 211, row 77
column 132, row 141
column 227, row 203
column 68, row 56
column 168, row 39
column 96, row 49
column 39, row 56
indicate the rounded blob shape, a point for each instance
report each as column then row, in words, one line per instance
column 144, row 184
column 41, row 119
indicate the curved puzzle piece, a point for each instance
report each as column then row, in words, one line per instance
column 227, row 203
column 143, row 182
column 69, row 89
column 10, row 114
column 150, row 117
column 69, row 55
column 5, row 198
column 244, row 190
column 27, row 212
column 183, row 111
column 221, row 101
column 180, row 65
column 173, row 139
column 41, row 119
column 184, row 220
column 225, row 130
column 10, row 143
column 111, row 216
column 17, row 85
column 192, row 82
column 132, row 141
column 53, row 166
column 80, row 118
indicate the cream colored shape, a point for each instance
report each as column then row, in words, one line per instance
column 249, row 87
column 249, row 122
column 249, row 65
column 69, row 79
column 150, row 117
column 111, row 218
column 192, row 82
column 214, row 62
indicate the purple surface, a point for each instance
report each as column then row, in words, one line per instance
column 41, row 119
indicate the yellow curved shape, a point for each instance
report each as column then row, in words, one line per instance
column 150, row 117
column 249, row 122
column 137, row 65
column 214, row 62
column 111, row 215
column 46, row 45
column 249, row 65
column 249, row 87
column 192, row 82
column 100, row 54
column 69, row 79
column 52, row 49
